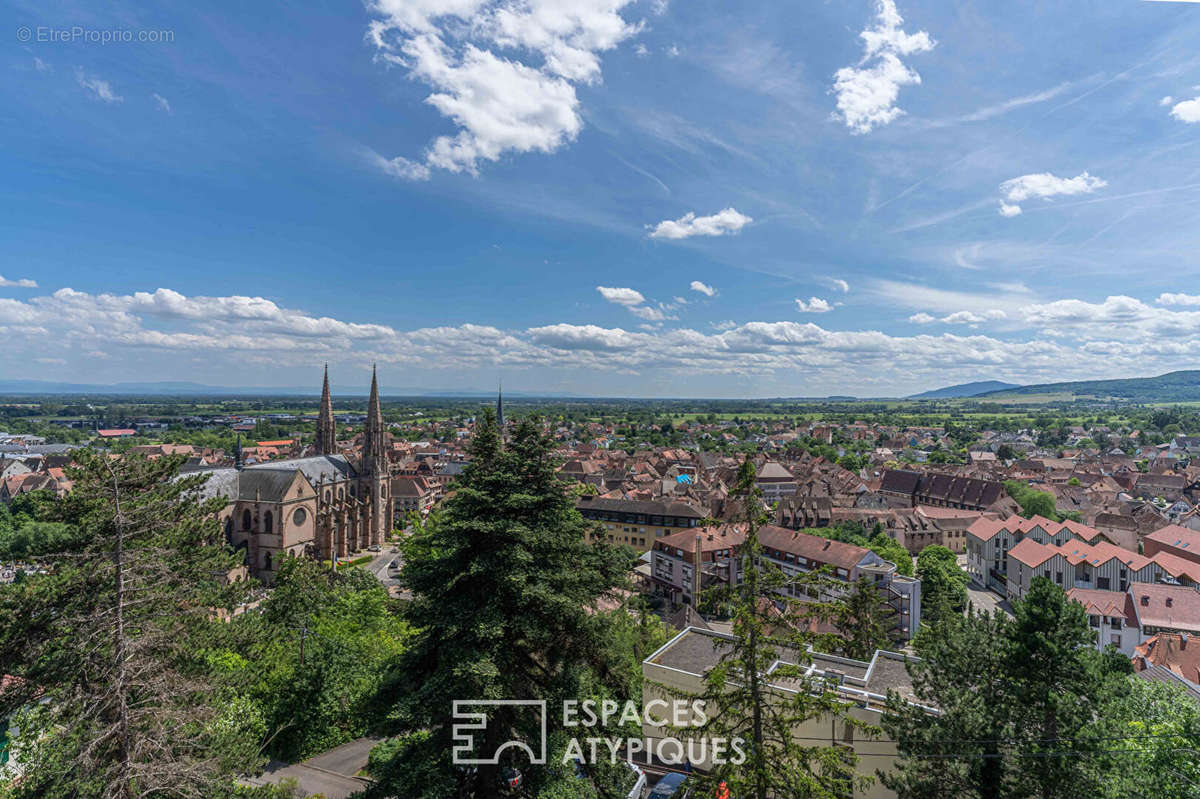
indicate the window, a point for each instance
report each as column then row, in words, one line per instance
column 1058, row 577
column 267, row 562
column 299, row 516
column 1116, row 639
column 268, row 523
column 247, row 520
column 1102, row 583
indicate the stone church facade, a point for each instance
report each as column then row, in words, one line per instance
column 313, row 506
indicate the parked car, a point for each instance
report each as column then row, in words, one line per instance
column 671, row 786
column 374, row 548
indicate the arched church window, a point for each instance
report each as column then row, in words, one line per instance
column 299, row 516
column 267, row 562
column 246, row 520
column 268, row 522
column 328, row 494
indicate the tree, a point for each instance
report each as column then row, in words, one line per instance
column 1018, row 705
column 1057, row 685
column 865, row 620
column 503, row 580
column 106, row 640
column 1151, row 730
column 954, row 753
column 739, row 699
column 312, row 660
column 943, row 584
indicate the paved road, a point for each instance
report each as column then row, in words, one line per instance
column 333, row 774
column 347, row 759
column 379, row 567
column 982, row 598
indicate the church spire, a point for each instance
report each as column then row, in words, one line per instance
column 237, row 453
column 325, row 425
column 374, row 455
column 500, row 406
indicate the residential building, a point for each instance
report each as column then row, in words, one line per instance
column 638, row 523
column 709, row 551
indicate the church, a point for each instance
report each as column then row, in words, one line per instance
column 315, row 506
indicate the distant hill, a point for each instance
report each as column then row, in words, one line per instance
column 965, row 390
column 1183, row 386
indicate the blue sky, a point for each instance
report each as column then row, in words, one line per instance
column 601, row 197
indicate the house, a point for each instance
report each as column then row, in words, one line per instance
column 1178, row 654
column 413, row 494
column 775, row 482
column 1111, row 616
column 1180, row 541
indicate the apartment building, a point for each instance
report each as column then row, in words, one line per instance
column 989, row 540
column 684, row 563
column 638, row 523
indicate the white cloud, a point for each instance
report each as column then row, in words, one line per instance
column 1178, row 299
column 640, row 50
column 1187, row 111
column 399, row 167
column 162, row 102
column 839, row 284
column 23, row 283
column 621, row 296
column 959, row 317
column 503, row 72
column 672, row 52
column 867, row 92
column 814, row 305
column 41, row 66
column 1125, row 334
column 703, row 288
column 101, row 89
column 1044, row 185
column 728, row 220
column 1166, row 100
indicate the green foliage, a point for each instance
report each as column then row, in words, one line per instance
column 1032, row 502
column 741, row 703
column 312, row 658
column 1013, row 696
column 943, row 584
column 866, row 622
column 107, row 640
column 504, row 583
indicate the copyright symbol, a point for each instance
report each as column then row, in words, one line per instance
column 24, row 34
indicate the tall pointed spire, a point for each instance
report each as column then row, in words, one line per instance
column 500, row 406
column 374, row 454
column 237, row 453
column 374, row 413
column 326, row 439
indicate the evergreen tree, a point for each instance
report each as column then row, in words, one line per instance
column 1057, row 684
column 503, row 582
column 954, row 753
column 1018, row 705
column 107, row 640
column 742, row 702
